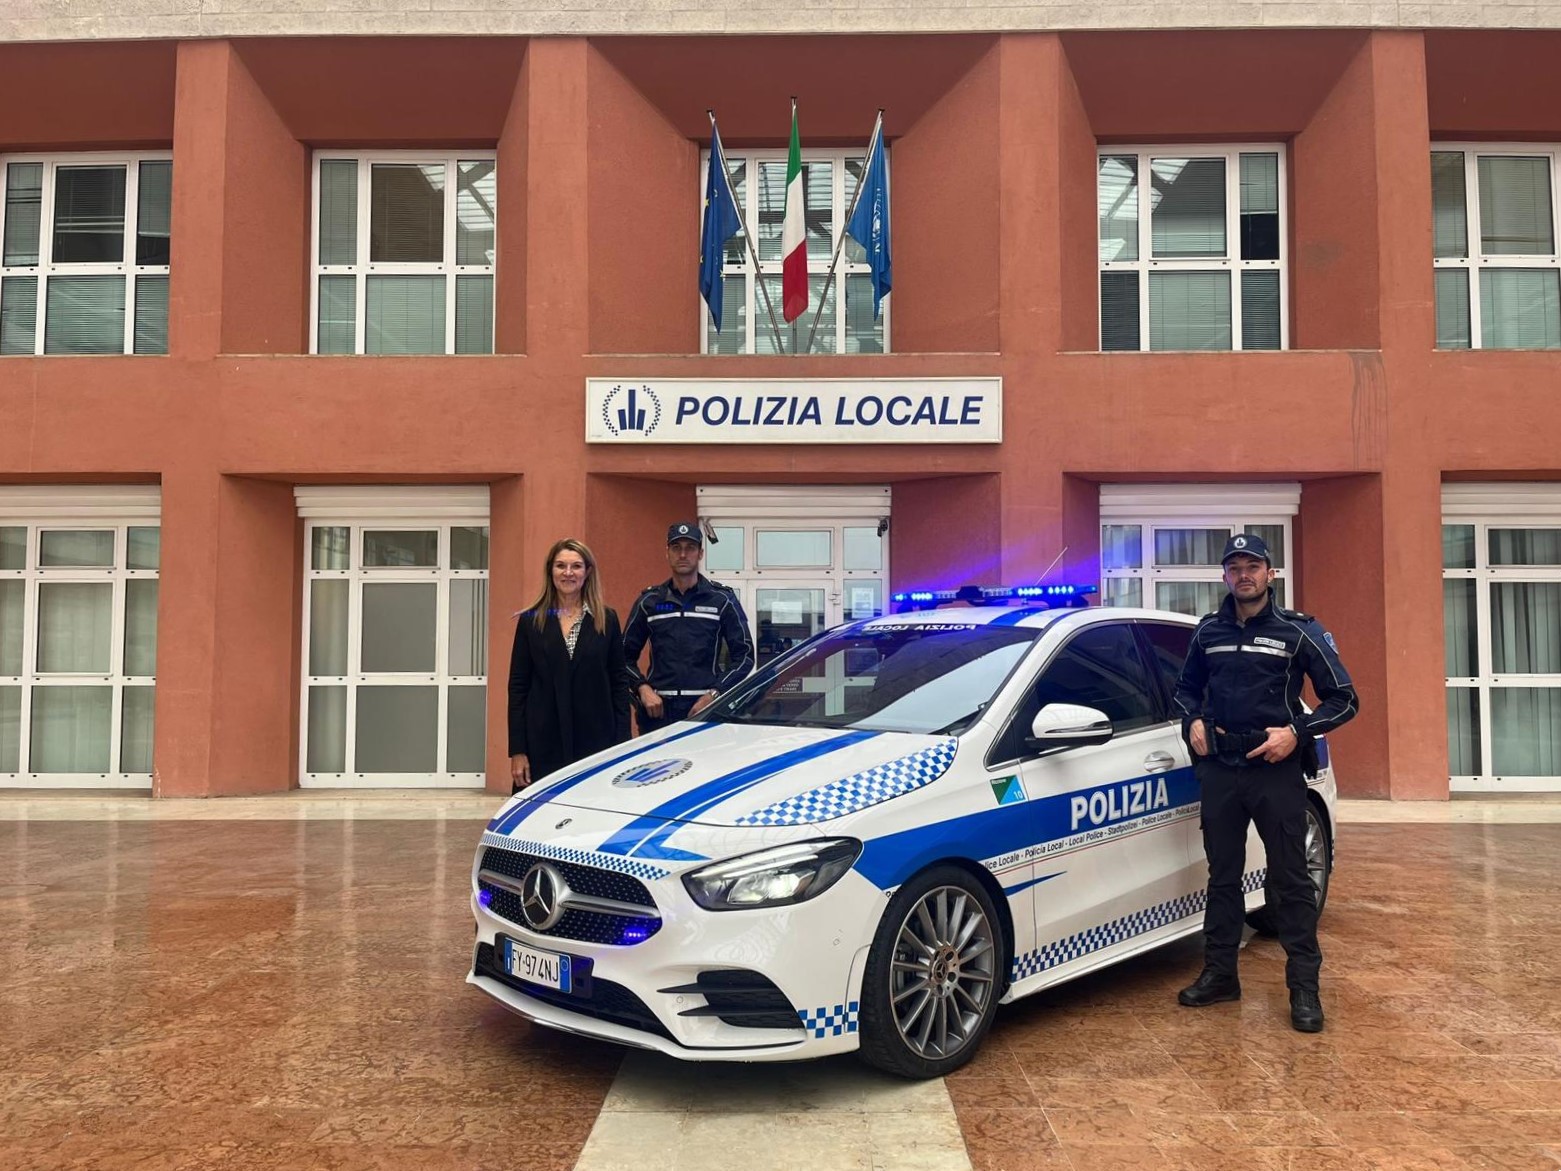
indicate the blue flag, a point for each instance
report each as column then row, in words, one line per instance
column 721, row 223
column 869, row 223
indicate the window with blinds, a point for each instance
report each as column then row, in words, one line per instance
column 845, row 322
column 1497, row 271
column 404, row 253
column 1192, row 248
column 84, row 254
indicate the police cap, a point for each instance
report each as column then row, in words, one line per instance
column 1246, row 545
column 686, row 531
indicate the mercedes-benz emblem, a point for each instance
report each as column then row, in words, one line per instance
column 542, row 894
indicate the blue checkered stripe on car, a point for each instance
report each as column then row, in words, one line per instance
column 830, row 1021
column 859, row 790
column 580, row 857
column 1084, row 943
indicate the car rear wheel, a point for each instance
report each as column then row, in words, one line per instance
column 934, row 976
column 1319, row 869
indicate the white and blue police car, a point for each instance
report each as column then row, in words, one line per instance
column 870, row 844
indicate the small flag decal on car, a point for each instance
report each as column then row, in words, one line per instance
column 1007, row 790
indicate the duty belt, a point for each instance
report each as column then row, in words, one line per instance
column 1236, row 743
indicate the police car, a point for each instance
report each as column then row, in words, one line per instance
column 870, row 844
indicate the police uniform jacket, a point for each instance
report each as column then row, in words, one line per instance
column 686, row 633
column 1246, row 678
column 563, row 707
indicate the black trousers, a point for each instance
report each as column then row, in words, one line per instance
column 1272, row 797
column 673, row 709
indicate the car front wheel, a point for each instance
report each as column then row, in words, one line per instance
column 934, row 976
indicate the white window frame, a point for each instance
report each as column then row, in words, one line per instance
column 34, row 576
column 1462, row 508
column 1231, row 262
column 758, row 316
column 1236, row 507
column 1476, row 261
column 46, row 268
column 357, row 576
column 448, row 268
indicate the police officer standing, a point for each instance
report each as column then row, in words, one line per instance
column 1253, row 746
column 686, row 619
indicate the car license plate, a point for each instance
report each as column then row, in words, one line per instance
column 546, row 968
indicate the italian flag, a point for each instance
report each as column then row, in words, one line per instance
column 794, row 236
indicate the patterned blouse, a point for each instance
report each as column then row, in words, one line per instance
column 572, row 635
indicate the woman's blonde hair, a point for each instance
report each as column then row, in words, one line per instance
column 590, row 592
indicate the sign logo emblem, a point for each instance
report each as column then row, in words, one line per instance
column 651, row 774
column 1007, row 790
column 631, row 410
column 1240, row 542
column 542, row 894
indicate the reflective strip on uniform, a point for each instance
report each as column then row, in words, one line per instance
column 1219, row 650
column 1262, row 650
column 683, row 614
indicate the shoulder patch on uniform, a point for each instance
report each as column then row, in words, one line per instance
column 1328, row 638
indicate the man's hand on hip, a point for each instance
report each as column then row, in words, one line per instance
column 1199, row 737
column 1281, row 743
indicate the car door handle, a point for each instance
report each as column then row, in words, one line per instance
column 1159, row 762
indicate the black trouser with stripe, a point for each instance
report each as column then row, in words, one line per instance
column 673, row 709
column 1272, row 797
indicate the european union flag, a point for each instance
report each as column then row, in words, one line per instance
column 721, row 223
column 869, row 223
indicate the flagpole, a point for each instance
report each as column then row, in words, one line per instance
column 840, row 240
column 758, row 276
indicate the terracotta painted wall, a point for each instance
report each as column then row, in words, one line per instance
column 944, row 533
column 945, row 212
column 643, row 199
column 1335, row 276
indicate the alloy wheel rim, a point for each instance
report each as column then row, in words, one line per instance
column 942, row 974
column 1316, row 856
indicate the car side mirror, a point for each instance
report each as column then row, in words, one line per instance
column 1061, row 725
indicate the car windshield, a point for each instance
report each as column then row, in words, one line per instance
column 932, row 678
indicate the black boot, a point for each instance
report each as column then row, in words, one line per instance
column 1306, row 1011
column 1210, row 987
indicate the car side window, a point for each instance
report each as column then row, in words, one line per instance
column 1168, row 645
column 1100, row 667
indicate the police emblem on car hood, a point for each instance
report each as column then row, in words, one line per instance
column 650, row 774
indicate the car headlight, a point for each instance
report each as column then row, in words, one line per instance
column 776, row 877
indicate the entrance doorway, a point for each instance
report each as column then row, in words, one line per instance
column 801, row 558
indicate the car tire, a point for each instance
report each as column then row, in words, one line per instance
column 1319, row 868
column 940, row 937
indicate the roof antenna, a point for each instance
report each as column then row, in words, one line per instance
column 1047, row 572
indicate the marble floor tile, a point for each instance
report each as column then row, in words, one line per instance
column 266, row 995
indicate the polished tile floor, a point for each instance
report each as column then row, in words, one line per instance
column 261, row 994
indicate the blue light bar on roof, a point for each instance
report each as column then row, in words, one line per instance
column 982, row 595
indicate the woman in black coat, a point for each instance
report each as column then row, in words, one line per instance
column 568, row 683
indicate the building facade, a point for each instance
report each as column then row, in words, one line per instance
column 313, row 340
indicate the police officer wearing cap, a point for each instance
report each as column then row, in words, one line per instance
column 686, row 619
column 1253, row 746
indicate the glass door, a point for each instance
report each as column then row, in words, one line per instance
column 797, row 577
column 395, row 655
column 785, row 615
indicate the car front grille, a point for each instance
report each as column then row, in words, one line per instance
column 602, row 1000
column 585, row 926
